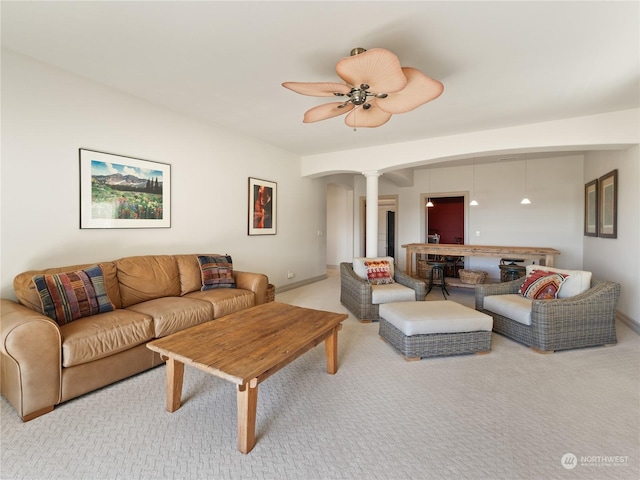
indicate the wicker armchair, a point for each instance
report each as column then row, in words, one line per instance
column 584, row 320
column 355, row 293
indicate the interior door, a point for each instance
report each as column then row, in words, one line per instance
column 391, row 230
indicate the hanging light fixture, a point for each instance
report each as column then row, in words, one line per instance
column 473, row 201
column 525, row 200
column 429, row 202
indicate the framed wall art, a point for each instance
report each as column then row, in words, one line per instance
column 123, row 192
column 262, row 207
column 591, row 208
column 608, row 205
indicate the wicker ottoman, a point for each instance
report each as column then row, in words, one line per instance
column 433, row 329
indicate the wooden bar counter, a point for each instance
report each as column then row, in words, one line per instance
column 456, row 250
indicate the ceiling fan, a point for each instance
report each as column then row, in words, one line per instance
column 376, row 87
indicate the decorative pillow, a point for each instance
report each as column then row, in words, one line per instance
column 579, row 281
column 69, row 296
column 378, row 272
column 360, row 269
column 217, row 271
column 542, row 285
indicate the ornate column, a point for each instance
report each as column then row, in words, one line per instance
column 371, row 246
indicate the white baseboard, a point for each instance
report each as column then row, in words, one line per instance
column 632, row 324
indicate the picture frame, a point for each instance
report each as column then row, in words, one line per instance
column 263, row 213
column 123, row 192
column 591, row 208
column 608, row 205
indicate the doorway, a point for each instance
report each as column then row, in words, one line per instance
column 446, row 219
column 387, row 225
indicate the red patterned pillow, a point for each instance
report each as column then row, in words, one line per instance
column 542, row 285
column 378, row 272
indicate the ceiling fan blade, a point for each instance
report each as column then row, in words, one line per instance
column 420, row 89
column 328, row 110
column 378, row 68
column 317, row 89
column 373, row 117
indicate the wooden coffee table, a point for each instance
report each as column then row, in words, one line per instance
column 246, row 348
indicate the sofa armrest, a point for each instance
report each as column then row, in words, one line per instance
column 488, row 289
column 255, row 282
column 31, row 355
column 595, row 308
column 419, row 286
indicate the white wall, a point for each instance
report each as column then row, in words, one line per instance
column 618, row 259
column 339, row 218
column 47, row 115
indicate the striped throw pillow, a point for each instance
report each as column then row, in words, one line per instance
column 68, row 296
column 217, row 271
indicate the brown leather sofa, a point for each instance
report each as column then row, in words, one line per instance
column 44, row 364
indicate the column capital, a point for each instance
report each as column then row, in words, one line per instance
column 371, row 173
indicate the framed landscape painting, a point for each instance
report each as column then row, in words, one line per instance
column 262, row 207
column 591, row 208
column 123, row 192
column 608, row 205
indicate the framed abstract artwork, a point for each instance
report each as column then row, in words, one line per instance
column 262, row 207
column 123, row 192
column 608, row 205
column 591, row 208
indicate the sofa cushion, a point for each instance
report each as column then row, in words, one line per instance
column 225, row 300
column 360, row 269
column 579, row 281
column 512, row 305
column 172, row 314
column 190, row 275
column 144, row 278
column 394, row 292
column 378, row 272
column 66, row 297
column 100, row 336
column 542, row 285
column 217, row 271
column 28, row 295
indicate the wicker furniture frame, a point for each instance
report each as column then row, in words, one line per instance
column 584, row 320
column 435, row 344
column 355, row 293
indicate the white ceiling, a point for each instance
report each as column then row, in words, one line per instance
column 502, row 63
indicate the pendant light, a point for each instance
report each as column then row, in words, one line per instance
column 525, row 200
column 473, row 201
column 429, row 202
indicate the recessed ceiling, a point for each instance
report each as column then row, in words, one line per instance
column 502, row 63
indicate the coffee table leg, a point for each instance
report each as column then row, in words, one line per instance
column 331, row 350
column 247, row 406
column 175, row 373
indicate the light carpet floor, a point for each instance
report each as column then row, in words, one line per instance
column 511, row 414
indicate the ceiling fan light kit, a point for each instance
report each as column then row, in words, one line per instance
column 376, row 87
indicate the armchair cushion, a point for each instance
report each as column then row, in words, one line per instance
column 391, row 293
column 577, row 282
column 512, row 305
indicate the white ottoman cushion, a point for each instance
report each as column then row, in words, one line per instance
column 424, row 318
column 513, row 306
column 393, row 292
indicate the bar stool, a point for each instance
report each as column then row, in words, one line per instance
column 510, row 271
column 438, row 267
